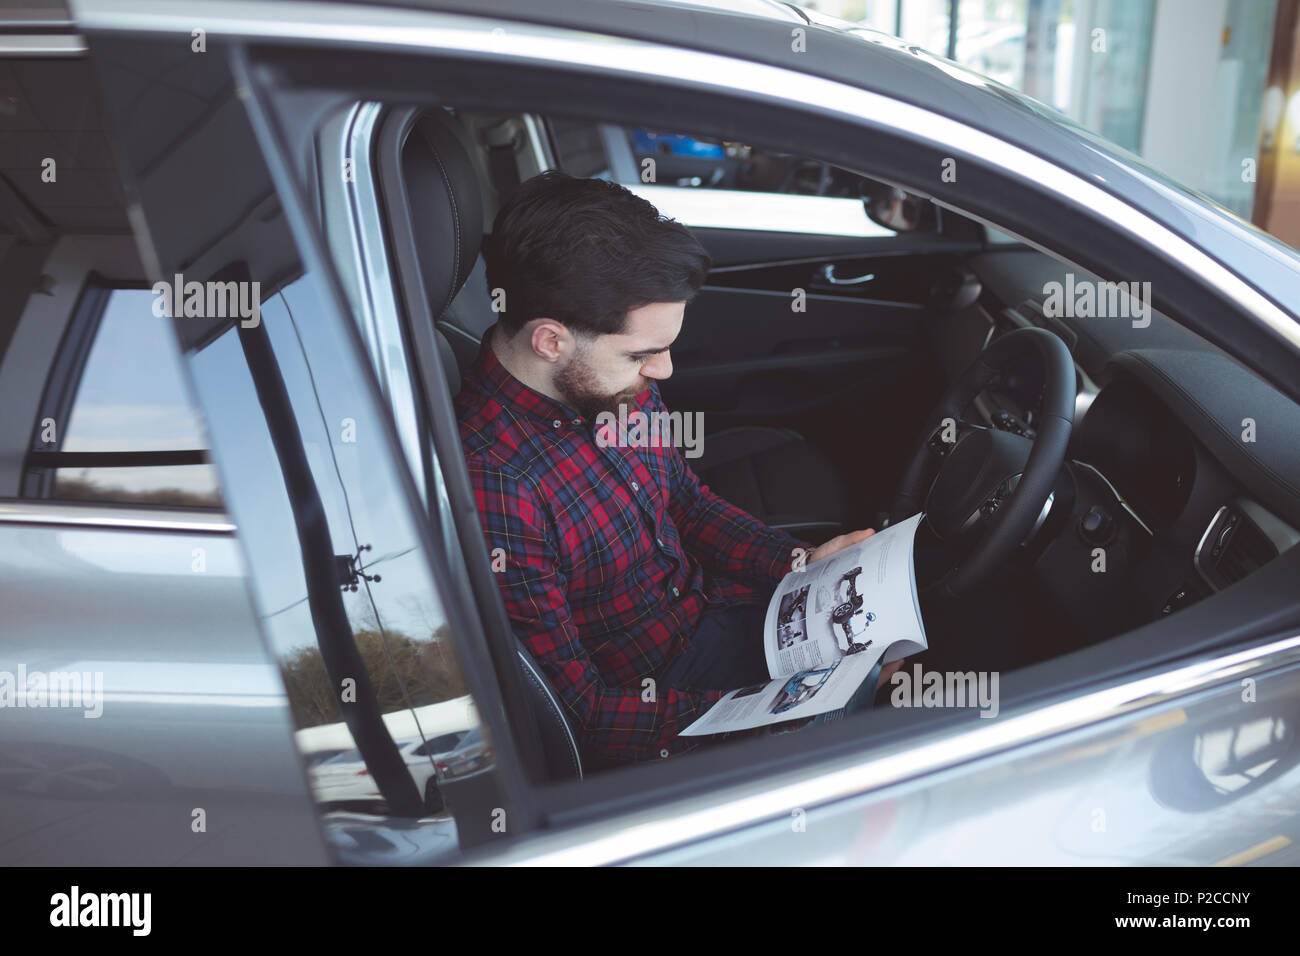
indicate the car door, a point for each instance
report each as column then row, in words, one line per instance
column 366, row 638
column 143, row 721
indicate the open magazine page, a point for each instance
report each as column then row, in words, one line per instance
column 827, row 626
column 858, row 600
column 804, row 694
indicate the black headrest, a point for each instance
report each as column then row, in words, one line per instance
column 446, row 205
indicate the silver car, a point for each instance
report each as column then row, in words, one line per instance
column 240, row 277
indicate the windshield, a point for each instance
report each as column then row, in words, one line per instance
column 1204, row 205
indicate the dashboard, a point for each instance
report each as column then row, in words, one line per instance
column 1163, row 446
column 1143, row 449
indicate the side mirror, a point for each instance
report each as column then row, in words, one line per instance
column 897, row 209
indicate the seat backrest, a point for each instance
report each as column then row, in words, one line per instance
column 469, row 316
column 446, row 205
column 447, row 214
column 443, row 191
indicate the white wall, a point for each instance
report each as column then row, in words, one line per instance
column 1178, row 128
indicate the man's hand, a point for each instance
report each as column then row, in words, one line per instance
column 839, row 543
column 887, row 672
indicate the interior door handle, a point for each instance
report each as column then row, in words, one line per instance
column 828, row 273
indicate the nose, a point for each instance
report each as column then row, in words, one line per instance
column 659, row 367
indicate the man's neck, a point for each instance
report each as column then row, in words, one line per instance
column 519, row 366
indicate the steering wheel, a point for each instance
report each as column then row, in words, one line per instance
column 992, row 485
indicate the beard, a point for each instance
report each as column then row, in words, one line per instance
column 580, row 389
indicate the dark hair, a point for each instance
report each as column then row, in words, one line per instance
column 585, row 252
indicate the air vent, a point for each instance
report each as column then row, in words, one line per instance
column 1231, row 548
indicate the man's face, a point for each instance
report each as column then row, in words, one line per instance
column 608, row 370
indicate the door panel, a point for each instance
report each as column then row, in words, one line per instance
column 849, row 365
column 142, row 721
column 755, row 321
column 745, row 353
column 174, row 744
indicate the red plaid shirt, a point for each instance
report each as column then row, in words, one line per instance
column 608, row 557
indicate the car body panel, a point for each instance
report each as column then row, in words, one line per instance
column 190, row 718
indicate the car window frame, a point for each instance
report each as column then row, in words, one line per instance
column 287, row 203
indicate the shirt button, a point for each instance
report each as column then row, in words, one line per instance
column 555, row 424
column 635, row 486
column 659, row 541
column 663, row 752
column 577, row 421
column 676, row 593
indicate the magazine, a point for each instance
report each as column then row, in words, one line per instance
column 829, row 623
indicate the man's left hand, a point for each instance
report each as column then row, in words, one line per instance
column 839, row 543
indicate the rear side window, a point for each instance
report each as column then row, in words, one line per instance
column 116, row 422
column 706, row 182
column 95, row 405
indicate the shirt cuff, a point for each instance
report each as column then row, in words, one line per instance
column 784, row 550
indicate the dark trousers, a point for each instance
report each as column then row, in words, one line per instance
column 726, row 651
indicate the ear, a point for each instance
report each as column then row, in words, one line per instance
column 549, row 339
